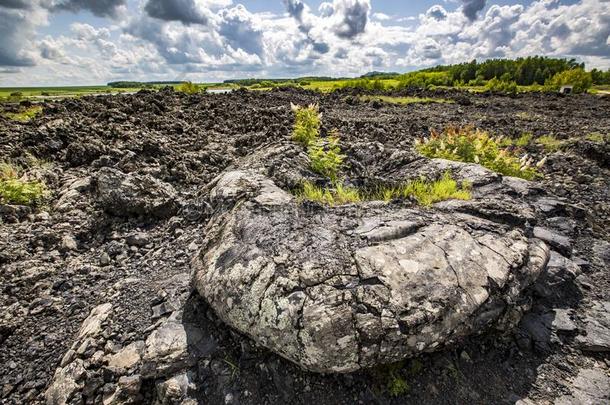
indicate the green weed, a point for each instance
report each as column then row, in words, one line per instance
column 25, row 115
column 188, row 88
column 326, row 158
column 16, row 190
column 471, row 145
column 307, row 124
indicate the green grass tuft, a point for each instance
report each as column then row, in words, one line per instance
column 339, row 195
column 474, row 146
column 307, row 124
column 597, row 137
column 15, row 190
column 550, row 143
column 424, row 192
column 25, row 115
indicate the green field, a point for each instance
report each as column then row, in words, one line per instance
column 40, row 93
column 76, row 91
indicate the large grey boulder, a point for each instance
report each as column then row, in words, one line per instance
column 131, row 194
column 343, row 288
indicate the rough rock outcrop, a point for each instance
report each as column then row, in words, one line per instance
column 123, row 194
column 344, row 288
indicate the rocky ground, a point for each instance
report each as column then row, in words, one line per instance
column 97, row 302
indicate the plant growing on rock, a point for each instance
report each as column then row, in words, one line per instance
column 338, row 195
column 15, row 189
column 307, row 124
column 425, row 192
column 326, row 157
column 471, row 145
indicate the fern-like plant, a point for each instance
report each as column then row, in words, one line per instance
column 306, row 125
column 470, row 145
column 326, row 158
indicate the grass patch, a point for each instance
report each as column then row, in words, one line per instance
column 424, row 192
column 15, row 190
column 550, row 143
column 306, row 125
column 338, row 195
column 406, row 100
column 597, row 137
column 25, row 115
column 524, row 140
column 326, row 157
column 471, row 145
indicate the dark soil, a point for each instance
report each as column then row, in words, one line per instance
column 48, row 288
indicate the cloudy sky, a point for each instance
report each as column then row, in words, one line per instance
column 74, row 42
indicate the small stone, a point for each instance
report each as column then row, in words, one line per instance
column 162, row 309
column 93, row 324
column 67, row 358
column 42, row 216
column 127, row 357
column 68, row 243
column 104, row 259
column 465, row 356
column 83, row 347
column 127, row 391
column 139, row 239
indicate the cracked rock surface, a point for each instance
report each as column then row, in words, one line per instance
column 343, row 288
column 96, row 299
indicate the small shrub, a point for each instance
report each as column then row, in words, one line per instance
column 188, row 88
column 474, row 146
column 307, row 124
column 326, row 157
column 397, row 386
column 26, row 115
column 578, row 78
column 14, row 190
column 500, row 86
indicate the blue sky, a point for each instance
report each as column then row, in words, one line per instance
column 74, row 42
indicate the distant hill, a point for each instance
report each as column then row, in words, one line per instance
column 379, row 75
column 127, row 84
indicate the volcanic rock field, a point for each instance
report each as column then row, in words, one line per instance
column 173, row 262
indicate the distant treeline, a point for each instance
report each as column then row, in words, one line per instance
column 300, row 80
column 124, row 84
column 523, row 71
